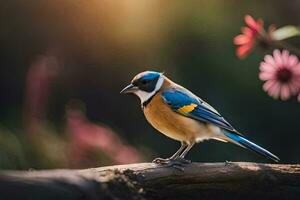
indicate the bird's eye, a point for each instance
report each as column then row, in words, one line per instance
column 144, row 82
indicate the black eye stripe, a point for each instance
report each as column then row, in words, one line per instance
column 141, row 82
column 136, row 82
column 146, row 84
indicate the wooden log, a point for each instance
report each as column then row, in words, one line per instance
column 235, row 180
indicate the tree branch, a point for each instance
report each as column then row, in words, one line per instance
column 149, row 181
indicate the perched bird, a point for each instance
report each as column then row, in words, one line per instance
column 179, row 114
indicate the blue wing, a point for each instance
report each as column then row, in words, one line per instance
column 189, row 105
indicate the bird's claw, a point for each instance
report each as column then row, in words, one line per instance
column 161, row 160
column 178, row 163
column 183, row 161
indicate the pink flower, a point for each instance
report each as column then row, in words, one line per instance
column 39, row 79
column 281, row 73
column 246, row 41
column 87, row 137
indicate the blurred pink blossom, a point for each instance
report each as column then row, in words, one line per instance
column 281, row 73
column 247, row 40
column 39, row 78
column 87, row 136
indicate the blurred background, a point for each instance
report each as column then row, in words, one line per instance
column 63, row 64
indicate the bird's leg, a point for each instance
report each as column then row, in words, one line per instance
column 178, row 161
column 179, row 151
column 173, row 157
column 183, row 154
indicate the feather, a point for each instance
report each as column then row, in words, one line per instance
column 189, row 105
column 242, row 141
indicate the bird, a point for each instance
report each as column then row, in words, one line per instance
column 181, row 115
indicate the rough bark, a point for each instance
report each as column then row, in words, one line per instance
column 149, row 181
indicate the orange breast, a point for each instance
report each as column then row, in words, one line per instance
column 170, row 123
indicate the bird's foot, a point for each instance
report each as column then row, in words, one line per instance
column 183, row 161
column 161, row 160
column 178, row 163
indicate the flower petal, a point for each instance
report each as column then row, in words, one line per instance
column 270, row 60
column 244, row 50
column 267, row 85
column 247, row 31
column 264, row 76
column 251, row 23
column 241, row 39
column 296, row 82
column 266, row 67
column 285, row 92
column 277, row 57
column 274, row 90
column 293, row 60
column 294, row 89
column 285, row 57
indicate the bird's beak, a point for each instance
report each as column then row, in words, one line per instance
column 129, row 89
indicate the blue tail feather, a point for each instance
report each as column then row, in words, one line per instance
column 250, row 145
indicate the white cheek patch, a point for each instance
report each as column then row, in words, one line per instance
column 159, row 83
column 144, row 96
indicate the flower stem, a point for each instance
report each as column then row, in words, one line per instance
column 285, row 45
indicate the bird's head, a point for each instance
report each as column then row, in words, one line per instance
column 145, row 85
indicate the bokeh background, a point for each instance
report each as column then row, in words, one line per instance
column 63, row 64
